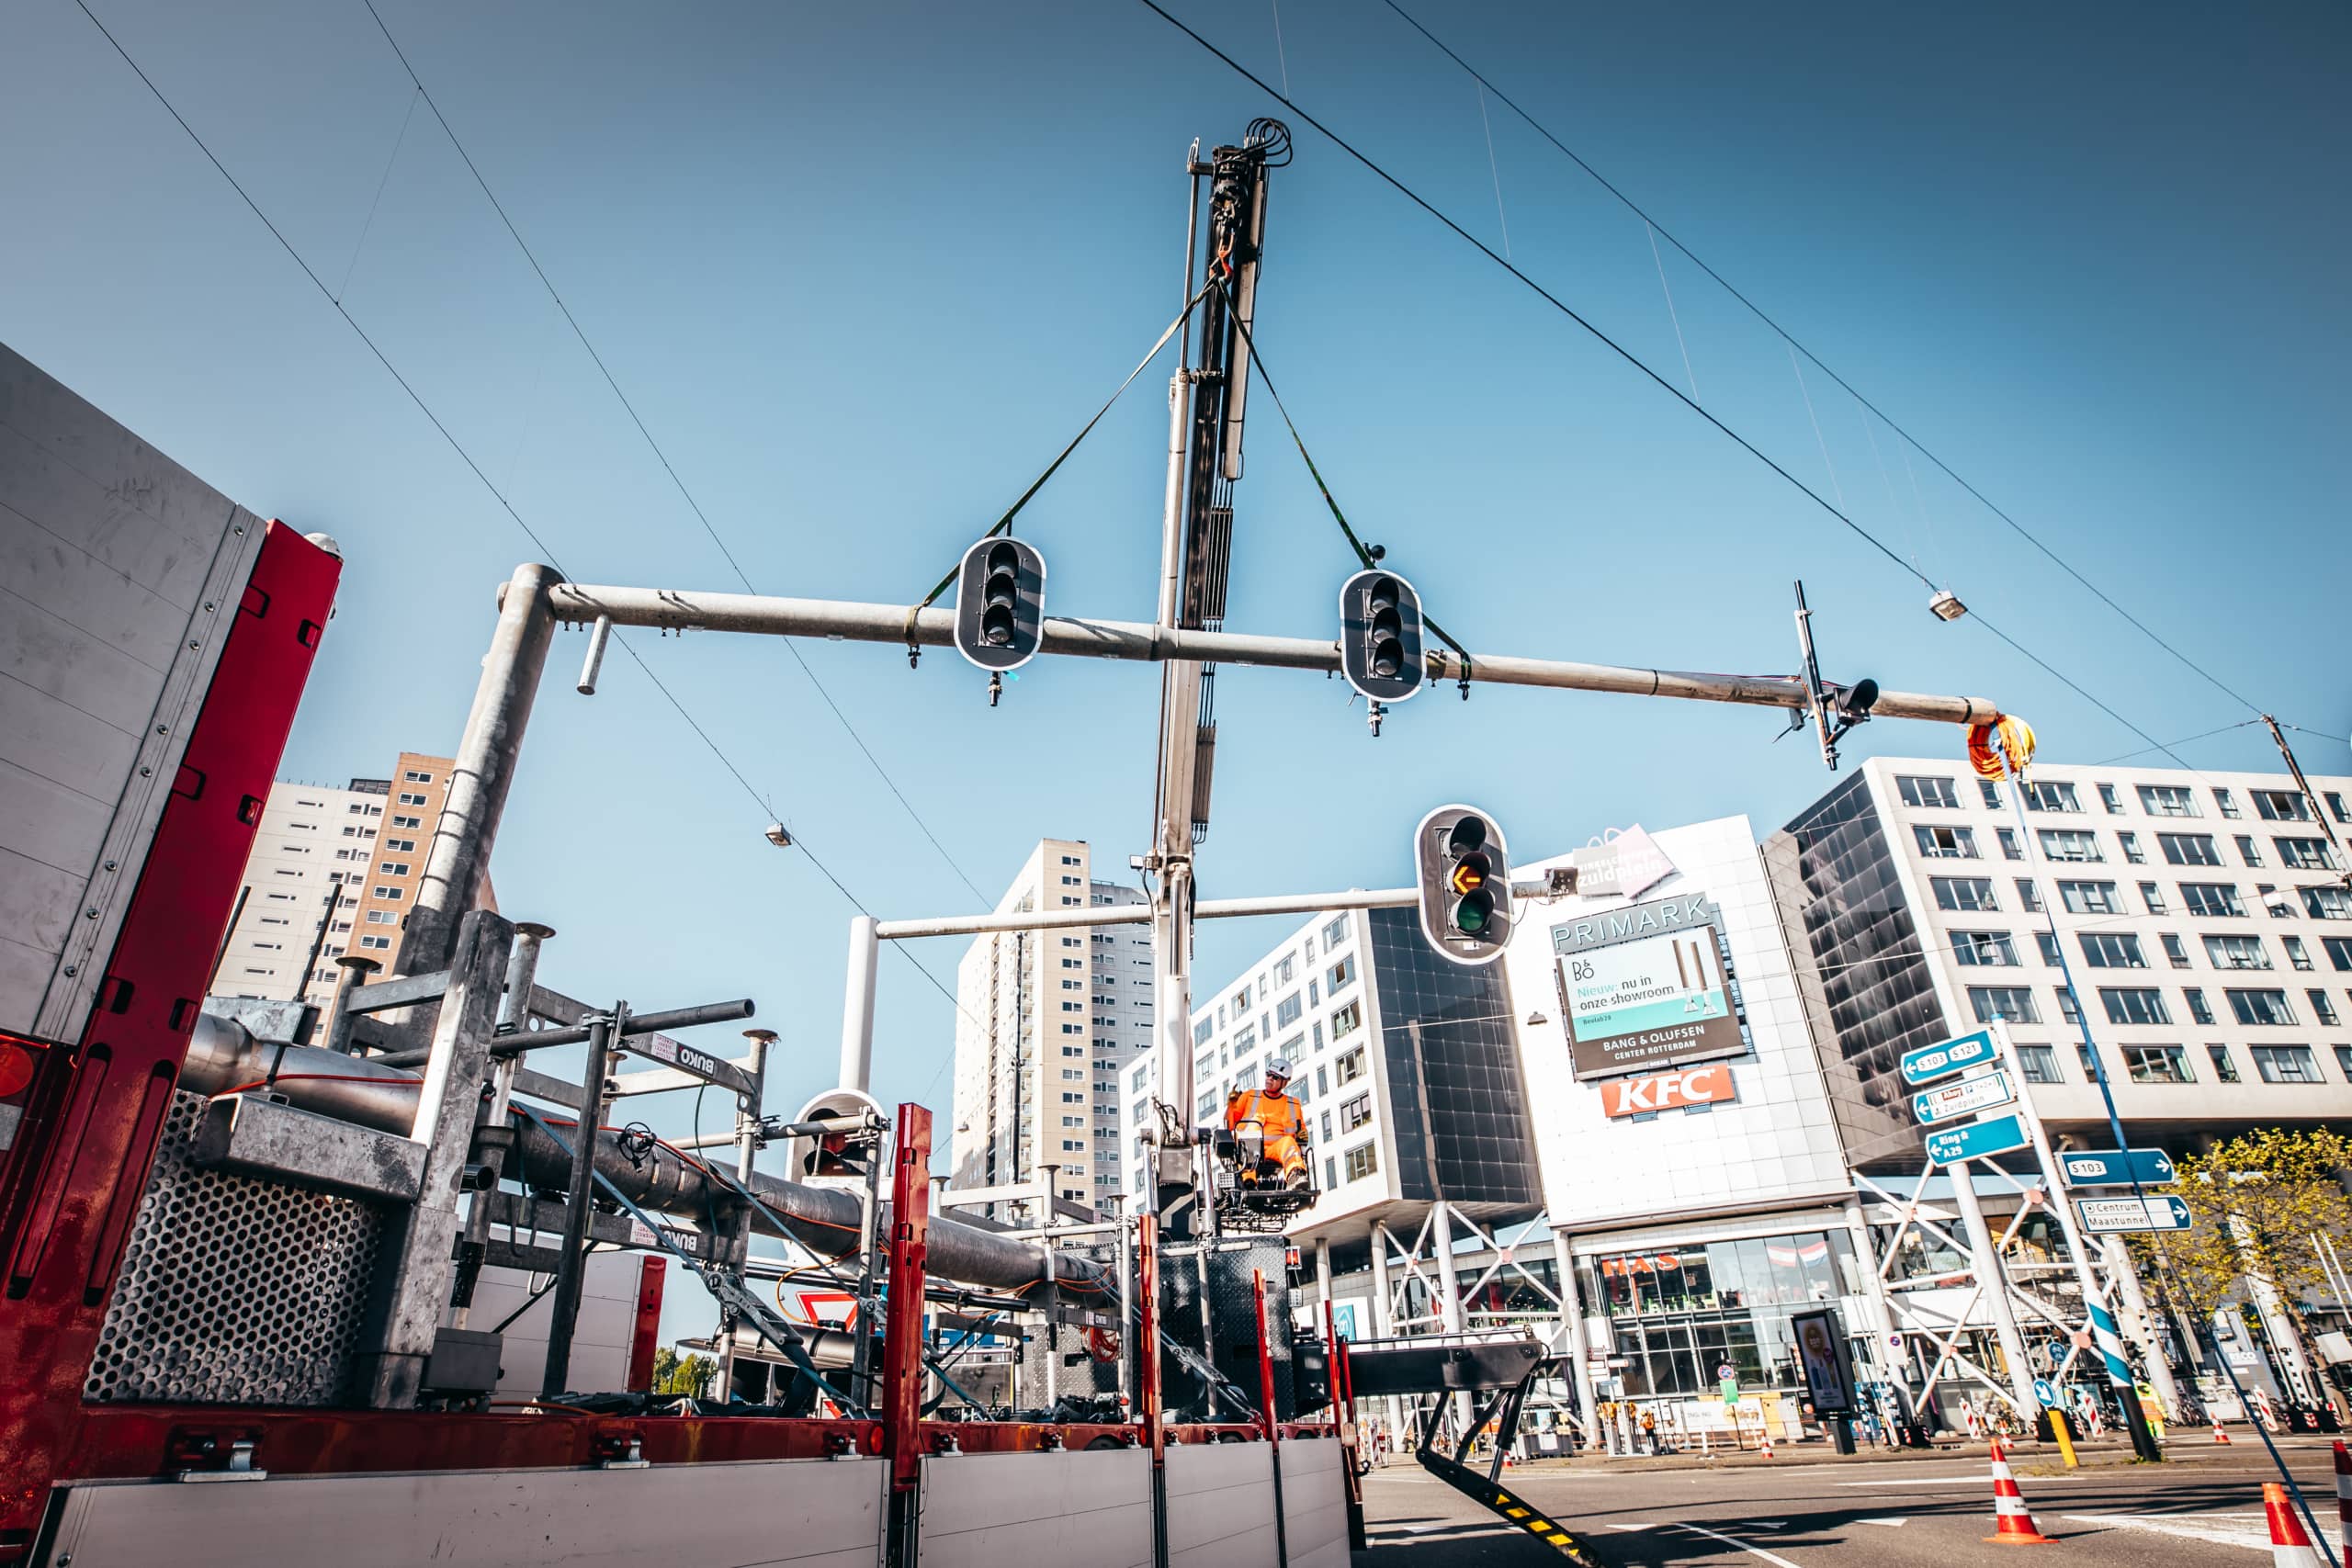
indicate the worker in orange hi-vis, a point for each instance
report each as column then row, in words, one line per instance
column 1280, row 1121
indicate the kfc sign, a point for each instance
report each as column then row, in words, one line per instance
column 1665, row 1091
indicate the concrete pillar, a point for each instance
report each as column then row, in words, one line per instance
column 1577, row 1347
column 1987, row 1264
column 1384, row 1320
column 1323, row 1270
column 1449, row 1307
column 1879, row 1311
column 857, row 1006
column 2141, row 1325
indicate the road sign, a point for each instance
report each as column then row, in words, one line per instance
column 2102, row 1216
column 1932, row 1062
column 2106, row 1167
column 2043, row 1391
column 1982, row 1092
column 1976, row 1139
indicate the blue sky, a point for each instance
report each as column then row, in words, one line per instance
column 865, row 269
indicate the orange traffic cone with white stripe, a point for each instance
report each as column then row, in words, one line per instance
column 2219, row 1436
column 1767, row 1438
column 2012, row 1526
column 2344, row 1499
column 2290, row 1545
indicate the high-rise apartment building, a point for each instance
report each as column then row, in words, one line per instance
column 1045, row 1023
column 2204, row 918
column 364, row 845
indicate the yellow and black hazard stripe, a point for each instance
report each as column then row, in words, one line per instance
column 1514, row 1509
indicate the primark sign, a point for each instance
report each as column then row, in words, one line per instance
column 1644, row 989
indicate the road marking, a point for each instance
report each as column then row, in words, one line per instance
column 2222, row 1529
column 1773, row 1558
column 1618, row 1527
column 1765, row 1524
column 1891, row 1524
column 1889, row 1486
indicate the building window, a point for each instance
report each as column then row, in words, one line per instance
column 1347, row 1020
column 2068, row 1008
column 2274, row 904
column 2135, row 1004
column 2131, row 850
column 1967, row 893
column 2339, row 951
column 2040, row 1063
column 2175, row 954
column 1335, row 932
column 2069, row 844
column 2048, row 943
column 1342, row 974
column 405, row 822
column 2028, row 895
column 2236, row 952
column 2110, row 800
column 2152, row 893
column 2344, row 1062
column 2247, row 851
column 2157, row 1064
column 1984, row 950
column 2327, row 903
column 2229, row 806
column 2285, row 1064
column 2167, row 800
column 2335, row 804
column 1288, row 1010
column 2090, row 1059
column 381, row 917
column 1927, row 792
column 2012, row 1004
column 2281, row 805
column 2059, row 796
column 1360, row 1161
column 2188, row 848
column 376, row 942
column 389, row 895
column 1946, row 843
column 2321, row 1009
column 2199, row 1009
column 2225, row 1069
column 406, row 799
column 2112, row 950
column 1350, row 1067
column 1201, row 1032
column 1354, row 1114
column 2009, row 837
column 2089, row 898
column 2305, row 854
column 1991, row 792
column 2212, row 900
column 2296, row 954
column 2267, row 1007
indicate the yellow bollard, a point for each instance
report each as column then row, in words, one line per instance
column 2066, row 1443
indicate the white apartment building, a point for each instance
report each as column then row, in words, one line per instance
column 311, row 836
column 2203, row 915
column 1046, row 1022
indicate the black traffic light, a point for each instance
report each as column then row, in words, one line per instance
column 1464, row 874
column 1380, row 636
column 1001, row 604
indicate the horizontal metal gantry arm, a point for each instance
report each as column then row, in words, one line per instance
column 673, row 609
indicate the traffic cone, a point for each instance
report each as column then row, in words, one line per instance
column 2012, row 1526
column 1767, row 1444
column 2291, row 1547
column 2344, row 1499
column 2219, row 1436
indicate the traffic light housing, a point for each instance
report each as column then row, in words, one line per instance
column 1001, row 604
column 1380, row 636
column 1464, row 869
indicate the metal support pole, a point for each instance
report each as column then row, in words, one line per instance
column 598, row 635
column 1579, row 1348
column 747, row 1145
column 356, row 970
column 1449, row 1309
column 1126, row 1289
column 1147, row 1370
column 1886, row 1357
column 493, row 1132
column 1996, row 1285
column 1270, row 1418
column 2120, row 1268
column 902, row 1369
column 857, row 1009
column 484, row 769
column 1092, row 915
column 1383, row 1318
column 571, row 1262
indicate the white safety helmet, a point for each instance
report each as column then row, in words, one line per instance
column 1279, row 1067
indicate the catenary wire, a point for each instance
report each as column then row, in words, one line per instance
column 1637, row 363
column 791, row 645
column 466, row 457
column 1757, row 310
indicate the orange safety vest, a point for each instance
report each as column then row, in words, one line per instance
column 1277, row 1114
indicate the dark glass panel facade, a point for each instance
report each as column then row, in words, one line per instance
column 1477, row 1106
column 1868, row 992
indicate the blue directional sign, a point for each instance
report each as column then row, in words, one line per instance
column 1997, row 1136
column 1932, row 1062
column 2107, row 1168
column 1961, row 1096
column 2045, row 1390
column 2164, row 1213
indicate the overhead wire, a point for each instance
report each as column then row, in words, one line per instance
column 1837, row 513
column 733, row 565
column 466, row 457
column 1759, row 313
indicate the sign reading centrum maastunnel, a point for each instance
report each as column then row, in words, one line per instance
column 1643, row 987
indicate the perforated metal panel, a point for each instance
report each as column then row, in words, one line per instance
column 233, row 1291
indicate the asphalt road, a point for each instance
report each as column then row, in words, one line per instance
column 2202, row 1508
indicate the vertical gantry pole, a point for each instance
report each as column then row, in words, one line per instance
column 902, row 1372
column 1449, row 1311
column 484, row 770
column 1994, row 1284
column 1384, row 1320
column 1580, row 1352
column 1884, row 1355
column 1147, row 1370
column 493, row 1134
column 857, row 1011
column 1269, row 1415
column 571, row 1262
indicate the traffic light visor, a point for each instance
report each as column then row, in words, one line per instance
column 1468, row 834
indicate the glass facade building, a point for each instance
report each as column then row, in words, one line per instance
column 1864, row 980
column 1678, row 1316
